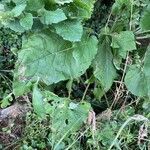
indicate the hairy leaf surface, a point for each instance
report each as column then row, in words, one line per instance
column 48, row 57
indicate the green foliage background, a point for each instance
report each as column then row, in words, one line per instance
column 73, row 60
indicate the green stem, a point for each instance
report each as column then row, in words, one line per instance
column 85, row 92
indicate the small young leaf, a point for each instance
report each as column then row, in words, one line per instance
column 27, row 21
column 37, row 101
column 21, row 87
column 15, row 26
column 136, row 81
column 124, row 41
column 18, row 9
column 6, row 101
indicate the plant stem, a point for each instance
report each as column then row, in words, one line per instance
column 85, row 92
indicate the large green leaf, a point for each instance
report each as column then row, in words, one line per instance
column 49, row 17
column 66, row 117
column 70, row 30
column 47, row 56
column 137, row 78
column 145, row 19
column 124, row 41
column 105, row 71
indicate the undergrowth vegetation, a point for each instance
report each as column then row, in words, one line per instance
column 81, row 69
